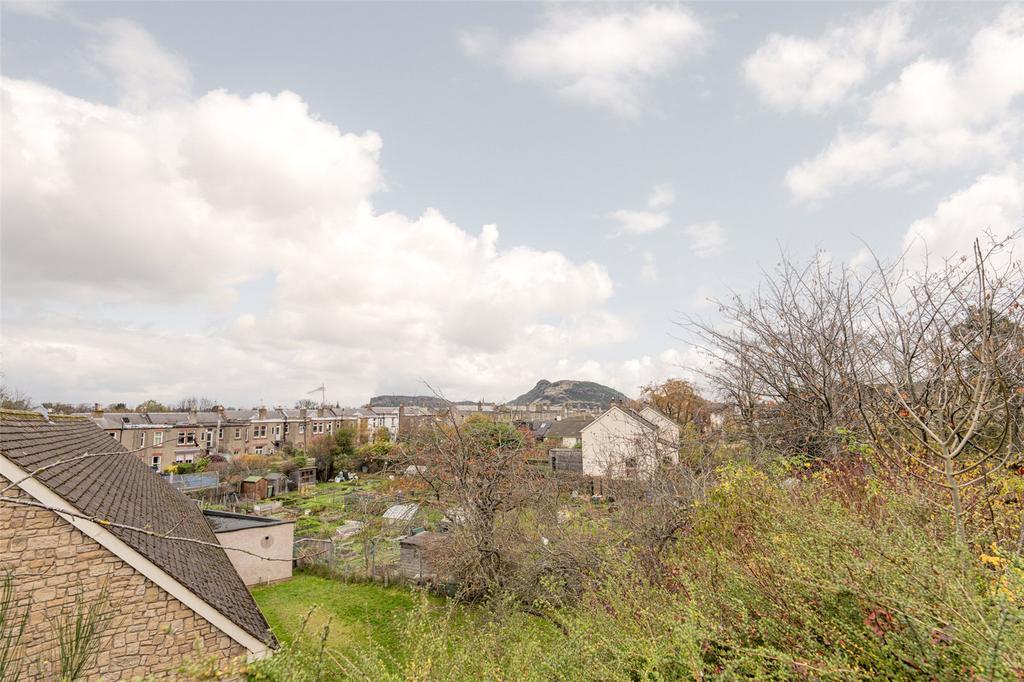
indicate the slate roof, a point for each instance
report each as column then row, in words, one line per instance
column 424, row 539
column 567, row 428
column 241, row 415
column 639, row 417
column 354, row 412
column 629, row 412
column 225, row 522
column 119, row 488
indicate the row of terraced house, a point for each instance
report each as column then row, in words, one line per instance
column 161, row 439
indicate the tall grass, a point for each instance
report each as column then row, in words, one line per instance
column 79, row 631
column 12, row 628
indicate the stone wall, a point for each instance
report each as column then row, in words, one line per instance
column 150, row 633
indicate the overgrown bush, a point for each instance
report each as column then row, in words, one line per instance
column 781, row 574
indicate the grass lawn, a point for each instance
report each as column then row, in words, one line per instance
column 358, row 611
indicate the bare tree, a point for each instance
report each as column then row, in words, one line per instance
column 939, row 371
column 13, row 399
column 479, row 475
column 194, row 403
column 781, row 357
column 926, row 366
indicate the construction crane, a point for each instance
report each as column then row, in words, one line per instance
column 323, row 394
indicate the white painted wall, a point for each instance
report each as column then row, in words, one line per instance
column 616, row 440
column 273, row 542
column 668, row 433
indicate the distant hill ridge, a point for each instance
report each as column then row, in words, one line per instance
column 566, row 391
column 417, row 400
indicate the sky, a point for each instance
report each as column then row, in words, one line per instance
column 243, row 201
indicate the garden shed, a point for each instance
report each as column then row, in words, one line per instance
column 415, row 561
column 566, row 459
column 277, row 484
column 402, row 513
column 254, row 487
column 304, row 477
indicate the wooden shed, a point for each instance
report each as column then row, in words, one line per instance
column 254, row 487
column 304, row 477
column 277, row 484
column 566, row 459
column 415, row 555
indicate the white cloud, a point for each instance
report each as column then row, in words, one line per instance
column 156, row 212
column 938, row 114
column 649, row 269
column 644, row 222
column 145, row 73
column 662, row 196
column 813, row 74
column 993, row 204
column 640, row 222
column 43, row 9
column 707, row 239
column 630, row 375
column 702, row 297
column 600, row 57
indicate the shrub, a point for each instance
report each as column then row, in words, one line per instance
column 835, row 577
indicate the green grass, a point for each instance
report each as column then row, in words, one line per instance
column 326, row 493
column 359, row 613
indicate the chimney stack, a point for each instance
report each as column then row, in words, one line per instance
column 97, row 411
column 263, row 413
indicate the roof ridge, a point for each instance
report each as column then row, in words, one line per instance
column 8, row 413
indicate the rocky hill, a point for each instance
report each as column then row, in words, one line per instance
column 417, row 400
column 567, row 391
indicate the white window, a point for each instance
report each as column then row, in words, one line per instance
column 158, row 438
column 238, row 433
column 276, row 430
column 220, row 434
column 154, row 463
column 209, row 436
column 185, row 437
column 259, row 431
column 140, row 439
column 302, row 428
column 259, row 450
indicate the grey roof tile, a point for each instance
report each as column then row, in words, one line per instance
column 118, row 487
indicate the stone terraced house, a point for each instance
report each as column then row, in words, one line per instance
column 161, row 439
column 83, row 526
